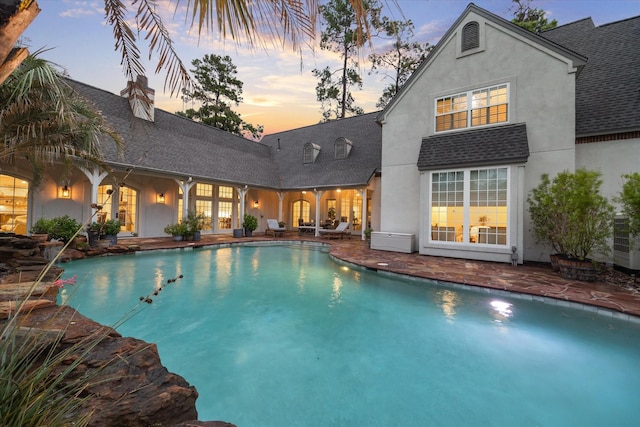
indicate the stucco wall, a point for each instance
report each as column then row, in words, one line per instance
column 542, row 95
column 611, row 158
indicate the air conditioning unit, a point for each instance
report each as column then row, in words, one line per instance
column 624, row 255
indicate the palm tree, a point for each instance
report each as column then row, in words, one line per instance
column 252, row 21
column 43, row 120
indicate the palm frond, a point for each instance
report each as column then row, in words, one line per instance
column 178, row 78
column 115, row 13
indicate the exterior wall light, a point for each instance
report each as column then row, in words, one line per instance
column 64, row 192
column 160, row 198
column 256, row 204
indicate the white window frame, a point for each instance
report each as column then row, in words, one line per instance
column 470, row 106
column 466, row 204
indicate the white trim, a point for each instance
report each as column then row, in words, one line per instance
column 468, row 94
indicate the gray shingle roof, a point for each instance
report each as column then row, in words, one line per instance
column 478, row 147
column 363, row 161
column 173, row 145
column 608, row 87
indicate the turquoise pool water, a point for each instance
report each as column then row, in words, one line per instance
column 283, row 336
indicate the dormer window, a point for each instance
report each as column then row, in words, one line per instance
column 342, row 148
column 311, row 152
column 470, row 36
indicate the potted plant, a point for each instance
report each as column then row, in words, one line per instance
column 178, row 230
column 63, row 228
column 110, row 230
column 282, row 224
column 94, row 231
column 578, row 221
column 367, row 233
column 40, row 229
column 249, row 224
column 195, row 223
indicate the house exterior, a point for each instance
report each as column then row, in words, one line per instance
column 489, row 111
column 171, row 165
column 449, row 162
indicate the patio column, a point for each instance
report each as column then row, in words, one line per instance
column 363, row 215
column 95, row 178
column 242, row 192
column 280, row 199
column 185, row 186
column 317, row 222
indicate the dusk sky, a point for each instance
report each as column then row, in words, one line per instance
column 279, row 89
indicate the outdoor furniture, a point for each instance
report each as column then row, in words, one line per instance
column 340, row 231
column 307, row 229
column 274, row 227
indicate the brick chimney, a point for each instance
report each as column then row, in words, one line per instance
column 140, row 98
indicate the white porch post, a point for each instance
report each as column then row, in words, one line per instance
column 95, row 178
column 363, row 215
column 185, row 186
column 318, row 196
column 242, row 192
column 280, row 199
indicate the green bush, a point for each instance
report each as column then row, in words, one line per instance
column 64, row 228
column 41, row 226
column 250, row 222
column 195, row 222
column 569, row 214
column 629, row 199
column 179, row 229
column 111, row 227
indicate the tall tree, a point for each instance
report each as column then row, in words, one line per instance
column 254, row 22
column 217, row 90
column 400, row 58
column 533, row 19
column 341, row 35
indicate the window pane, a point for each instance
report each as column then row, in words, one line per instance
column 488, row 206
column 225, row 192
column 105, row 200
column 446, row 220
column 225, row 211
column 204, row 190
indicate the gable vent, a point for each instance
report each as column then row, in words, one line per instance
column 342, row 148
column 311, row 152
column 470, row 36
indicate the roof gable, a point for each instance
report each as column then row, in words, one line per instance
column 575, row 60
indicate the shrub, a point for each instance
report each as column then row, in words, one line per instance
column 64, row 228
column 629, row 200
column 179, row 229
column 569, row 214
column 111, row 227
column 41, row 226
column 195, row 222
column 250, row 222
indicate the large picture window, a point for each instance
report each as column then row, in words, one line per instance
column 470, row 206
column 473, row 108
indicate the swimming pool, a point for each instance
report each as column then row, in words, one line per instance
column 283, row 336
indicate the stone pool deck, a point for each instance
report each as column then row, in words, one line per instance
column 536, row 280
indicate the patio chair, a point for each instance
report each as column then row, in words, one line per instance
column 340, row 231
column 274, row 227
